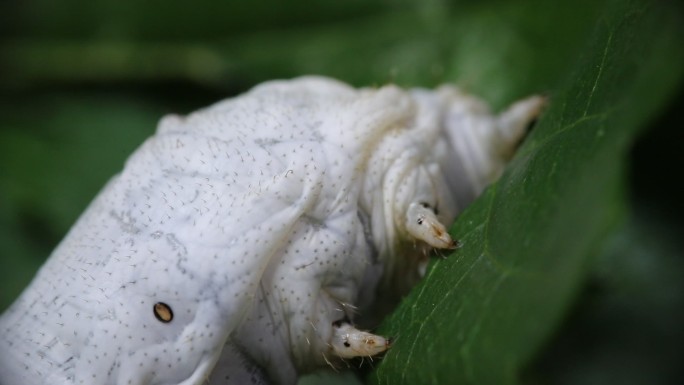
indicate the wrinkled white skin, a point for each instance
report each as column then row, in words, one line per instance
column 262, row 222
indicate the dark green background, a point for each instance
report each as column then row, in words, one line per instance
column 83, row 83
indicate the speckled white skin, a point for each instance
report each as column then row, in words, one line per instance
column 262, row 222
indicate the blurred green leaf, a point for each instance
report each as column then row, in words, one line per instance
column 627, row 328
column 499, row 49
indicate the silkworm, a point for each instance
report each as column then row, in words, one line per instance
column 240, row 242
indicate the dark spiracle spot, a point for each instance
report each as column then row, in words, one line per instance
column 163, row 312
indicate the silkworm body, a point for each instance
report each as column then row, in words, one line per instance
column 239, row 243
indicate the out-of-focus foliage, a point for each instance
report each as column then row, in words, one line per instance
column 83, row 83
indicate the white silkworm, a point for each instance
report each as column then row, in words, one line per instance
column 237, row 242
